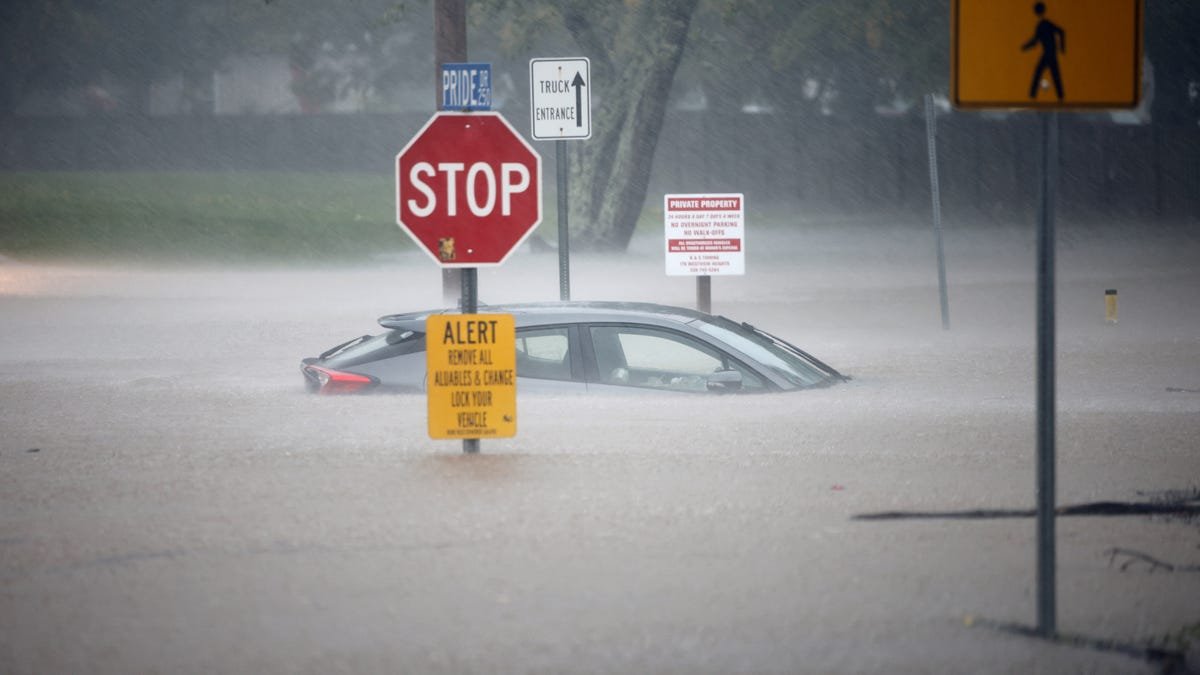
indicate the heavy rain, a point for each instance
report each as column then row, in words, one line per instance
column 192, row 200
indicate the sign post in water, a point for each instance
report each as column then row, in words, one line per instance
column 704, row 236
column 1012, row 54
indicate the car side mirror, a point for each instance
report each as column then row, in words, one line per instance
column 724, row 381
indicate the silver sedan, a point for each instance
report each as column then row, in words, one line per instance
column 578, row 347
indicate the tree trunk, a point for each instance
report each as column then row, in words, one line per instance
column 632, row 77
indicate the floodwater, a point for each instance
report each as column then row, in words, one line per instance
column 171, row 500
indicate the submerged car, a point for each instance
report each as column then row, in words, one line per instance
column 577, row 347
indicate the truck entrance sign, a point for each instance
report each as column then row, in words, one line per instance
column 471, row 366
column 705, row 234
column 560, row 100
column 468, row 189
column 1056, row 54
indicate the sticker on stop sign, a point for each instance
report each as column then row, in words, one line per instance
column 468, row 189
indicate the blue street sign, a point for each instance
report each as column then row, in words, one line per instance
column 466, row 86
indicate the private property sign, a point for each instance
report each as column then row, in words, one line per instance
column 471, row 366
column 705, row 234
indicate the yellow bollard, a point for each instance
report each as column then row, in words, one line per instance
column 1110, row 305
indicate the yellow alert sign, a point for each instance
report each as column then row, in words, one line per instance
column 1051, row 54
column 471, row 375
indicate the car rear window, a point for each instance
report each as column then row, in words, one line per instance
column 385, row 345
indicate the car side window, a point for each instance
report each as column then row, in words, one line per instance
column 660, row 359
column 542, row 353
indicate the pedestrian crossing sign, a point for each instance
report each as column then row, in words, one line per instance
column 1046, row 54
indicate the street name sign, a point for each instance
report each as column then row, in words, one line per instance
column 560, row 101
column 471, row 375
column 468, row 189
column 705, row 234
column 466, row 86
column 1056, row 54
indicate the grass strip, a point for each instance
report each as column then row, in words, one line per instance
column 198, row 216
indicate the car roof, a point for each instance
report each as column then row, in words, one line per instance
column 537, row 313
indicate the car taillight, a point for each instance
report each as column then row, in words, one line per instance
column 331, row 381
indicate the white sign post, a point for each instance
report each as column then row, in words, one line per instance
column 705, row 236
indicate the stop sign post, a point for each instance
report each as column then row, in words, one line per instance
column 468, row 189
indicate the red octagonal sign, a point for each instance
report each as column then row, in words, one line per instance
column 468, row 189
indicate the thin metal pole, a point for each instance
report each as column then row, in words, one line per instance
column 1046, row 585
column 564, row 236
column 931, row 135
column 470, row 305
column 704, row 293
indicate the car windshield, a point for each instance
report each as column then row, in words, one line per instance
column 773, row 353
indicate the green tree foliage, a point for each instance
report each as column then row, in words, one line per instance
column 635, row 47
column 843, row 57
column 1173, row 46
column 71, row 43
column 43, row 40
column 847, row 56
column 850, row 55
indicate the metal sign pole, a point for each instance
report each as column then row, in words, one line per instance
column 1046, row 588
column 470, row 305
column 987, row 72
column 560, row 110
column 564, row 236
column 704, row 293
column 931, row 134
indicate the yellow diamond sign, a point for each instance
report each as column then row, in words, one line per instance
column 1046, row 54
column 471, row 375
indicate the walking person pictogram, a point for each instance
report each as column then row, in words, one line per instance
column 1053, row 40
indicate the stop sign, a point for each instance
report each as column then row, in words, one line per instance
column 468, row 188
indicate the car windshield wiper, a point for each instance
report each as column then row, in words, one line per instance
column 796, row 350
column 342, row 347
